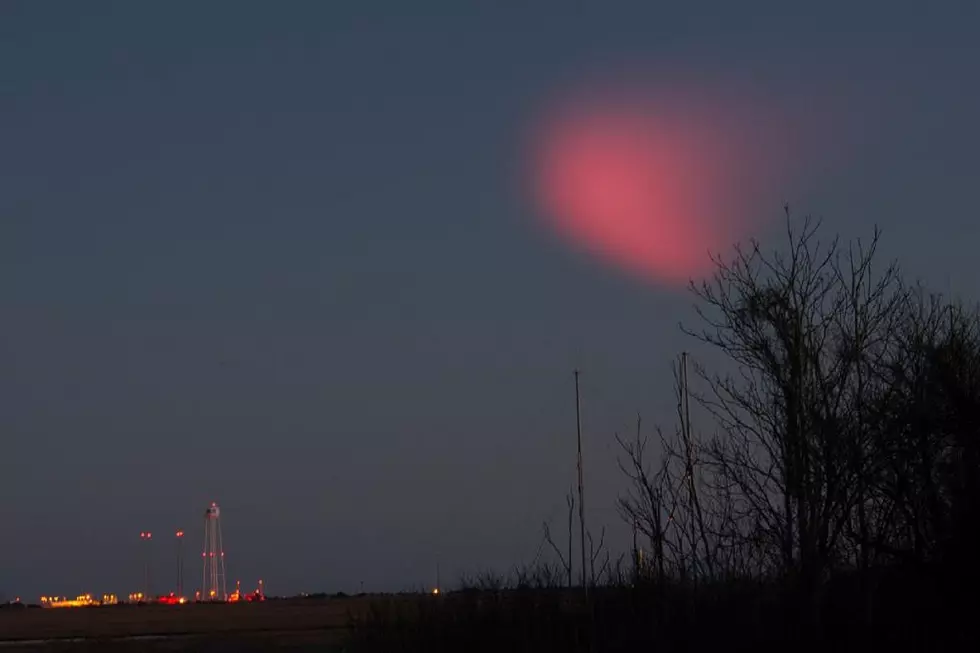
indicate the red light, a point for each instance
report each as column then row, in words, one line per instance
column 180, row 533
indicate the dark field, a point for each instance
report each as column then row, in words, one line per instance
column 902, row 609
column 295, row 625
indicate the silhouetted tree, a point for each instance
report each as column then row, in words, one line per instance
column 566, row 561
column 804, row 327
column 929, row 414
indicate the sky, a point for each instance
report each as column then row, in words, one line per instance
column 289, row 257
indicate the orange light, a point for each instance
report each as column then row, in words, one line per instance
column 80, row 601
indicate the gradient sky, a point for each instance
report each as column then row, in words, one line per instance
column 281, row 256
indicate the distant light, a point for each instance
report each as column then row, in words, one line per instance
column 435, row 590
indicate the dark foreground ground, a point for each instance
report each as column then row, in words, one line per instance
column 296, row 625
column 913, row 609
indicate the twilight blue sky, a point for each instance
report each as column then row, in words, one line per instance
column 279, row 255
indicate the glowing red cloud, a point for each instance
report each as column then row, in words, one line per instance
column 651, row 184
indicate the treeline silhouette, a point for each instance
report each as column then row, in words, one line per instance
column 829, row 496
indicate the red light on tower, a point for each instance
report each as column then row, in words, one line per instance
column 180, row 533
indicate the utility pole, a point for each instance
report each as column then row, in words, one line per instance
column 581, row 489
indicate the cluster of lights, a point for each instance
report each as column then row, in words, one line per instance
column 139, row 597
column 82, row 600
column 171, row 599
column 135, row 597
column 237, row 596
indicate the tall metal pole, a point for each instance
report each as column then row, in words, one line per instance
column 692, row 484
column 689, row 457
column 685, row 397
column 180, row 564
column 581, row 489
column 205, row 587
column 146, row 537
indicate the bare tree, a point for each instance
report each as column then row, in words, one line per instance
column 566, row 562
column 801, row 326
column 927, row 417
column 598, row 552
column 843, row 424
column 645, row 505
